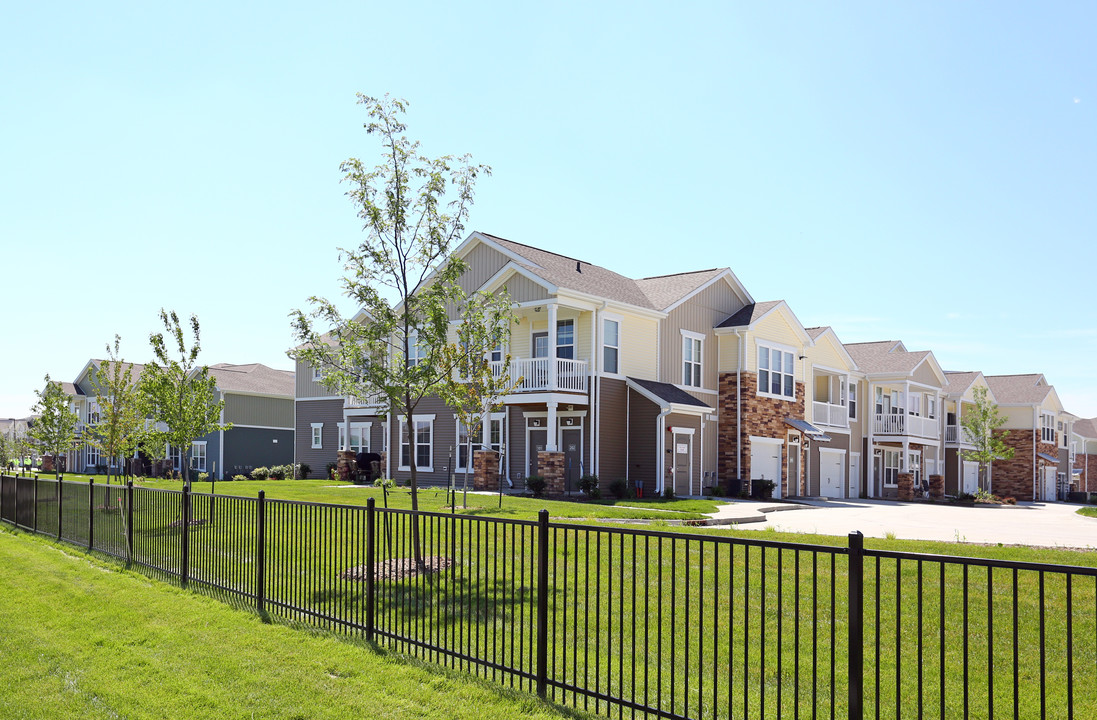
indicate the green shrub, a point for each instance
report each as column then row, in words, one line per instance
column 536, row 485
column 329, row 471
column 1009, row 500
column 668, row 492
column 260, row 473
column 619, row 488
column 203, row 477
column 239, row 478
column 277, row 472
column 303, row 471
column 589, row 484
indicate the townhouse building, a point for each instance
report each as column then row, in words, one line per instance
column 1084, row 448
column 1032, row 410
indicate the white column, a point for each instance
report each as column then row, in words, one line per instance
column 552, row 352
column 552, row 426
column 870, row 421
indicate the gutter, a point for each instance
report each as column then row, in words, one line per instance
column 660, row 448
column 739, row 338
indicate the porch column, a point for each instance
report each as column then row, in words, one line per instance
column 550, row 443
column 552, row 357
column 870, row 421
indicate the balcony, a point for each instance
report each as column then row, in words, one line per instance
column 903, row 424
column 833, row 415
column 536, row 374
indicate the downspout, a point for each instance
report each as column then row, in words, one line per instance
column 1035, row 459
column 739, row 406
column 506, row 444
column 660, row 448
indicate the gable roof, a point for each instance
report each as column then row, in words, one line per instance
column 885, row 357
column 253, row 378
column 1086, row 428
column 750, row 314
column 1030, row 389
column 71, row 388
column 815, row 333
column 666, row 395
column 665, row 290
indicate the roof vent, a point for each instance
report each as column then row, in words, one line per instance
column 578, row 267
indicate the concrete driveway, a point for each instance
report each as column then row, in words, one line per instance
column 1040, row 524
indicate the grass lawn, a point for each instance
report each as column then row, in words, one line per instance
column 81, row 642
column 1088, row 511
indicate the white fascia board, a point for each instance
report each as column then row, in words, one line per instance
column 499, row 279
column 80, row 375
column 275, row 396
column 841, row 348
column 616, row 305
column 536, row 398
column 478, row 237
column 934, row 365
column 664, row 405
column 726, row 275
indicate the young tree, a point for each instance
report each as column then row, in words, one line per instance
column 55, row 430
column 7, row 451
column 979, row 430
column 121, row 410
column 482, row 379
column 413, row 208
column 180, row 393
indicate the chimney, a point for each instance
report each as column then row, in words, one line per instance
column 578, row 269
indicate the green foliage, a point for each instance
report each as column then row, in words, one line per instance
column 589, row 484
column 668, row 492
column 122, row 412
column 203, row 477
column 413, row 208
column 55, row 429
column 979, row 426
column 303, row 471
column 260, row 473
column 329, row 469
column 179, row 392
column 239, row 478
column 536, row 485
column 619, row 488
column 277, row 472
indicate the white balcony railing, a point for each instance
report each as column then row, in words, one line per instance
column 903, row 424
column 571, row 375
column 832, row 415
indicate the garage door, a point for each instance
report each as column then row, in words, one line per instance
column 832, row 475
column 765, row 463
column 971, row 477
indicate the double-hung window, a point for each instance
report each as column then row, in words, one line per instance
column 692, row 348
column 423, row 427
column 317, row 436
column 1047, row 430
column 198, row 456
column 565, row 339
column 416, row 354
column 852, row 399
column 495, row 440
column 611, row 346
column 776, row 372
column 891, row 467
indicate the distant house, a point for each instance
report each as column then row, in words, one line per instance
column 962, row 476
column 1084, row 450
column 1032, row 409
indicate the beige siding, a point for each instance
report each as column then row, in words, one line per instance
column 483, row 262
column 638, row 340
column 1018, row 418
column 775, row 328
column 306, row 387
column 826, row 353
column 925, row 375
column 260, row 411
column 729, row 353
column 522, row 289
column 699, row 314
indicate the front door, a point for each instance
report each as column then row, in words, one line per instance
column 971, row 477
column 571, row 442
column 538, row 440
column 683, row 464
column 1048, row 494
column 765, row 463
column 854, row 475
column 832, row 474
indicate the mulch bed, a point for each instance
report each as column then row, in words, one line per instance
column 193, row 522
column 398, row 569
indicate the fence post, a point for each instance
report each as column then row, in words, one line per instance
column 542, row 601
column 261, row 553
column 60, row 495
column 856, row 585
column 34, row 514
column 371, row 525
column 129, row 522
column 184, row 569
column 91, row 513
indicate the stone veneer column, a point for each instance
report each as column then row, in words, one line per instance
column 485, row 470
column 937, row 487
column 906, row 486
column 550, row 466
column 345, row 465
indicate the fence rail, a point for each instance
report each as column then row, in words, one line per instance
column 620, row 621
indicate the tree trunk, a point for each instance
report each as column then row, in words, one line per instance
column 409, row 423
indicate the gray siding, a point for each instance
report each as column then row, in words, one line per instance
column 445, row 437
column 641, row 432
column 700, row 314
column 329, row 412
column 261, row 411
column 613, row 431
column 305, row 387
column 247, row 448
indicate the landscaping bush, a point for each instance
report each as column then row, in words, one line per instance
column 239, row 478
column 762, row 489
column 619, row 488
column 277, row 472
column 260, row 473
column 536, row 485
column 203, row 477
column 589, row 485
column 1009, row 500
column 329, row 471
column 668, row 493
column 303, row 471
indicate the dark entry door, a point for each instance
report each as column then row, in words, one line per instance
column 538, row 439
column 573, row 457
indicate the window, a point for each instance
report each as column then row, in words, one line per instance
column 891, row 467
column 91, row 456
column 1047, row 431
column 914, row 467
column 879, row 401
column 495, row 439
column 692, row 345
column 359, row 437
column 775, row 373
column 316, row 376
column 931, row 407
column 914, row 403
column 175, row 455
column 611, row 346
column 93, row 416
column 852, row 400
column 565, row 339
column 416, row 354
column 198, row 456
column 540, row 345
column 424, row 443
column 317, row 436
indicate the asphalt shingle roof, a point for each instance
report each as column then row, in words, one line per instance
column 665, row 290
column 749, row 313
column 959, row 382
column 1086, row 428
column 254, row 378
column 1018, row 389
column 668, row 393
column 884, row 357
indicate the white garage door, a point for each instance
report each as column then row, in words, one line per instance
column 971, row 477
column 832, row 475
column 765, row 462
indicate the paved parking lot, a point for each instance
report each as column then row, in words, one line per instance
column 1045, row 524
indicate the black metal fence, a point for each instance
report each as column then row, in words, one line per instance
column 619, row 621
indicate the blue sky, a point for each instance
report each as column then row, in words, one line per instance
column 923, row 172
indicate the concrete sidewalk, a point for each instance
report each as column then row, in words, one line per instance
column 1036, row 524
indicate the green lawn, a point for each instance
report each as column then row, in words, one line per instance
column 1088, row 511
column 79, row 642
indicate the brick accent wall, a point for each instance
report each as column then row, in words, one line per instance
column 1013, row 477
column 937, row 487
column 550, row 466
column 485, row 470
column 906, row 486
column 761, row 416
column 1087, row 481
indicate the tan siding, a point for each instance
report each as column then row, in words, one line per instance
column 638, row 340
column 305, row 387
column 1018, row 418
column 776, row 328
column 729, row 353
column 613, row 444
column 699, row 314
column 925, row 375
column 522, row 289
column 261, row 411
column 483, row 262
column 826, row 353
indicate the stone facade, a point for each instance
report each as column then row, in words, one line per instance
column 485, row 470
column 1087, row 481
column 906, row 486
column 762, row 417
column 346, row 467
column 550, row 466
column 1014, row 477
column 937, row 487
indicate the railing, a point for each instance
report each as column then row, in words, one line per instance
column 827, row 414
column 903, row 424
column 571, row 375
column 619, row 621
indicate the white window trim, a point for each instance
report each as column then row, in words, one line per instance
column 415, row 356
column 403, row 424
column 1047, row 423
column 344, row 437
column 317, row 374
column 317, row 437
column 851, row 399
column 898, row 453
column 477, row 444
column 194, row 446
column 620, row 320
column 688, row 336
column 574, row 344
column 771, row 346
